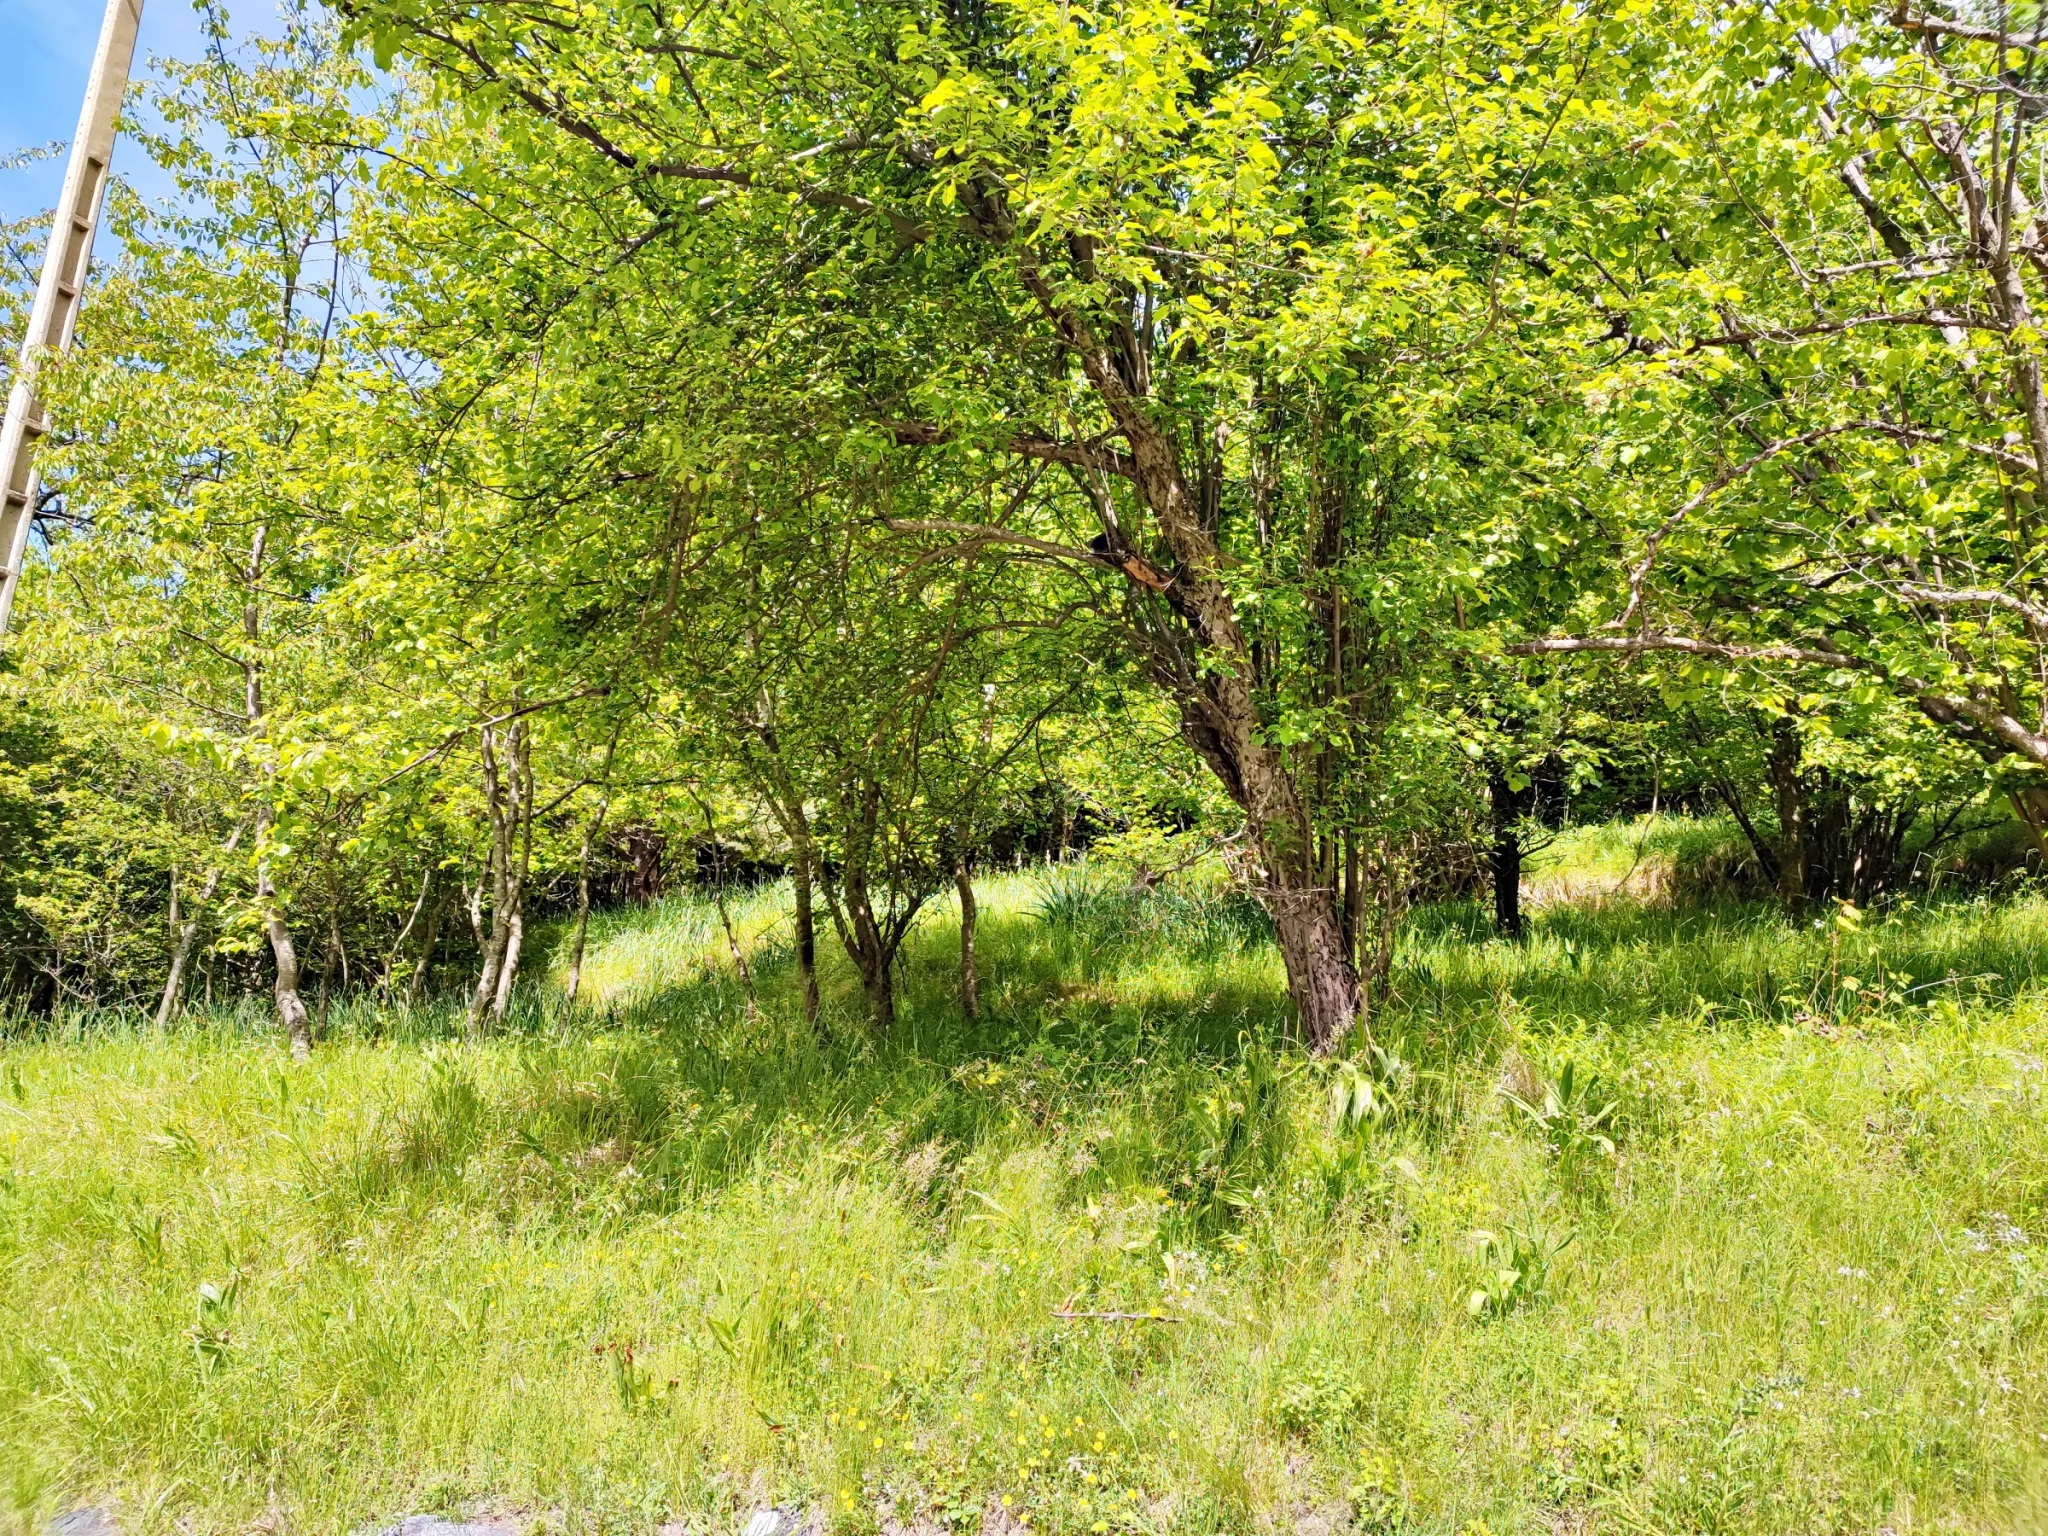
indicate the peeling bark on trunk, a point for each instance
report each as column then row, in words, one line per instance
column 291, row 1010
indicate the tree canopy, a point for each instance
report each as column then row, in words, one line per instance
column 860, row 440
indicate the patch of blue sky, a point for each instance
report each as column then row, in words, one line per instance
column 48, row 46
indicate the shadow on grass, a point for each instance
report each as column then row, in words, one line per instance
column 1109, row 1013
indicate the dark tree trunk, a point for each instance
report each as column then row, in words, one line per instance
column 806, row 931
column 1354, row 901
column 870, row 943
column 645, row 846
column 1794, row 852
column 422, row 975
column 874, row 957
column 970, row 978
column 1509, row 806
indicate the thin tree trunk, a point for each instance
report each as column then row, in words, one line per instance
column 1354, row 901
column 1507, row 854
column 869, row 951
column 732, row 946
column 970, row 978
column 188, row 937
column 582, row 909
column 732, row 943
column 591, row 832
column 499, row 875
column 522, row 821
column 421, row 978
column 806, row 932
column 398, row 944
column 291, row 1010
column 181, row 946
column 327, row 974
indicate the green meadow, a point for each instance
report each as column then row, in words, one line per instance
column 1667, row 1219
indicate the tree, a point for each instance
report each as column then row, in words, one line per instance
column 1207, row 263
column 1826, row 415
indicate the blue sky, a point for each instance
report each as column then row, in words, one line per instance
column 49, row 45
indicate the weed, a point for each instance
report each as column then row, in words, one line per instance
column 1572, row 1112
column 1514, row 1267
column 213, row 1308
column 1319, row 1400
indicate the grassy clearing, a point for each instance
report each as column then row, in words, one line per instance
column 666, row 1259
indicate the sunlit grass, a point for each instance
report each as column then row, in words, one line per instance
column 1808, row 1293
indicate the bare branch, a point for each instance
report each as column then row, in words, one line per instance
column 1936, row 26
column 1636, row 645
column 1977, row 597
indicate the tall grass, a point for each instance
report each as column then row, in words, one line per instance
column 1103, row 1253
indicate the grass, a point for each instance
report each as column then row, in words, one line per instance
column 1102, row 1261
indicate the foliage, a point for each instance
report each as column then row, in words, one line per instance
column 1514, row 1268
column 1570, row 1112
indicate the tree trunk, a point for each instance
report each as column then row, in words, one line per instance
column 188, row 936
column 1794, row 862
column 1507, row 854
column 806, row 932
column 878, row 986
column 398, row 944
column 328, row 961
column 428, row 940
column 872, row 955
column 2030, row 805
column 181, row 949
column 291, row 1011
column 591, row 833
column 582, row 914
column 508, row 967
column 1320, row 977
column 1211, row 680
column 970, row 978
column 499, row 877
column 520, row 864
column 1353, row 907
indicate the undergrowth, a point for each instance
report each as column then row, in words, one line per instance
column 1664, row 1219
